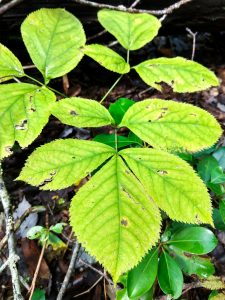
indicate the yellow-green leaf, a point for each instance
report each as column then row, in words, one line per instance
column 114, row 219
column 10, row 66
column 81, row 112
column 53, row 38
column 107, row 58
column 172, row 184
column 182, row 74
column 24, row 110
column 62, row 163
column 133, row 31
column 171, row 125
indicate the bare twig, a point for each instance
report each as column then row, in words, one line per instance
column 135, row 3
column 29, row 67
column 193, row 34
column 33, row 283
column 167, row 10
column 9, row 5
column 14, row 257
column 10, row 234
column 69, row 271
column 34, row 209
column 88, row 291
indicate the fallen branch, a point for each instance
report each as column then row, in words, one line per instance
column 9, row 5
column 69, row 271
column 8, row 261
column 10, row 235
column 165, row 11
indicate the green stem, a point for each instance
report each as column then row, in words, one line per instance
column 116, row 139
column 42, row 84
column 128, row 56
column 112, row 87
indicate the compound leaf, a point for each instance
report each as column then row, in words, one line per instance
column 119, row 108
column 133, row 31
column 9, row 65
column 62, row 163
column 53, row 38
column 195, row 240
column 107, row 58
column 173, row 126
column 114, row 221
column 172, row 184
column 24, row 111
column 170, row 276
column 81, row 112
column 182, row 74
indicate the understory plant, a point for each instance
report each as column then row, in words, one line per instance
column 135, row 177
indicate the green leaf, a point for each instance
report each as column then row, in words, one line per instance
column 10, row 66
column 125, row 223
column 81, row 112
column 23, row 114
column 109, row 139
column 57, row 228
column 35, row 232
column 170, row 276
column 217, row 219
column 173, row 126
column 172, row 184
column 194, row 264
column 218, row 189
column 38, row 295
column 195, row 240
column 141, row 278
column 107, row 58
column 219, row 155
column 222, row 209
column 62, row 163
column 55, row 242
column 210, row 171
column 133, row 31
column 119, row 108
column 53, row 38
column 182, row 74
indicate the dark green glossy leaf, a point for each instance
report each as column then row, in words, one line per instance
column 118, row 109
column 218, row 189
column 148, row 296
column 217, row 219
column 195, row 240
column 205, row 167
column 194, row 264
column 222, row 209
column 109, row 139
column 141, row 278
column 170, row 276
column 38, row 295
column 135, row 138
column 219, row 155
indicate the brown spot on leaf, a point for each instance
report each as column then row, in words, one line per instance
column 73, row 113
column 124, row 222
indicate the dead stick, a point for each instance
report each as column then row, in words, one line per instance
column 9, row 5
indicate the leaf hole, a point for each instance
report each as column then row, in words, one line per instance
column 22, row 125
column 162, row 172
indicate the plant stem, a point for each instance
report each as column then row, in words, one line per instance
column 128, row 56
column 33, row 79
column 61, row 94
column 4, row 197
column 69, row 271
column 112, row 87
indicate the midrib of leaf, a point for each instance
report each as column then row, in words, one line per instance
column 119, row 214
column 50, row 43
column 168, row 273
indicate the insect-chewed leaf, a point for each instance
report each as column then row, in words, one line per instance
column 81, row 112
column 9, row 65
column 133, row 31
column 172, row 183
column 62, row 163
column 107, row 58
column 24, row 110
column 182, row 74
column 53, row 38
column 114, row 221
column 170, row 125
